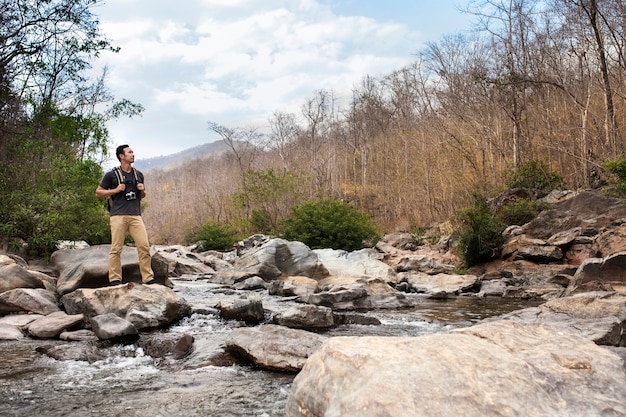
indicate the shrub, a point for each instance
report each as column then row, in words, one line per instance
column 535, row 174
column 213, row 236
column 520, row 211
column 617, row 168
column 329, row 224
column 480, row 232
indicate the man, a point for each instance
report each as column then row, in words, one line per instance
column 125, row 188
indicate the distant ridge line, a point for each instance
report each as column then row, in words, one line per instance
column 179, row 158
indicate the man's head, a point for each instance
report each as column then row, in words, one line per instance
column 121, row 151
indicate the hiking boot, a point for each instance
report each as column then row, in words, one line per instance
column 115, row 282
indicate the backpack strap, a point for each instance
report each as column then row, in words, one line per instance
column 118, row 174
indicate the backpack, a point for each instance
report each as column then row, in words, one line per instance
column 120, row 179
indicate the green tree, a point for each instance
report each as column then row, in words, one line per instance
column 329, row 224
column 479, row 232
column 51, row 132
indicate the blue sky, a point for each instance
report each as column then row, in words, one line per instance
column 236, row 62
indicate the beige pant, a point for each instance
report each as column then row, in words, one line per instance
column 120, row 226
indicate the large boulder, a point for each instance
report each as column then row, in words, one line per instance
column 360, row 263
column 31, row 300
column 279, row 257
column 145, row 306
column 273, row 347
column 15, row 275
column 501, row 368
column 599, row 317
column 357, row 293
column 610, row 270
column 89, row 267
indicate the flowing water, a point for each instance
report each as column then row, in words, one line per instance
column 126, row 381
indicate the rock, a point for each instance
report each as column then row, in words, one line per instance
column 357, row 293
column 293, row 286
column 500, row 367
column 10, row 332
column 109, row 326
column 247, row 309
column 180, row 260
column 611, row 240
column 89, row 267
column 599, row 317
column 273, row 347
column 183, row 347
column 85, row 352
column 51, row 326
column 360, row 263
column 306, row 317
column 423, row 264
column 33, row 300
column 535, row 250
column 279, row 257
column 145, row 306
column 81, row 335
column 14, row 275
column 250, row 284
column 450, row 284
column 610, row 270
column 20, row 320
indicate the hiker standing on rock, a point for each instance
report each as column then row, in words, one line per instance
column 124, row 188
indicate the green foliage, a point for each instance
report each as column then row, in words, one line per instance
column 61, row 205
column 329, row 224
column 520, row 211
column 480, row 232
column 535, row 174
column 52, row 132
column 214, row 236
column 617, row 167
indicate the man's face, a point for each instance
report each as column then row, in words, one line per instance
column 128, row 155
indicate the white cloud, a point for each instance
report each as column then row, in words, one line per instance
column 234, row 62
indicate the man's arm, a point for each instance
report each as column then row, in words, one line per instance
column 104, row 193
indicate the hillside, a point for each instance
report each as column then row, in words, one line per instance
column 178, row 159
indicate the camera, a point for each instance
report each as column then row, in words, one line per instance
column 131, row 195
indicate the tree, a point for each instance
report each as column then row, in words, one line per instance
column 51, row 133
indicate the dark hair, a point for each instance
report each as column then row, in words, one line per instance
column 120, row 151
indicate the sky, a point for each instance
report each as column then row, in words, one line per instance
column 237, row 62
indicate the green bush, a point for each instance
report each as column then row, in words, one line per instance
column 520, row 211
column 213, row 236
column 329, row 224
column 617, row 168
column 535, row 174
column 480, row 232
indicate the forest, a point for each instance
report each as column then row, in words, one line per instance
column 531, row 82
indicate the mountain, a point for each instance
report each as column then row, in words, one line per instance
column 177, row 159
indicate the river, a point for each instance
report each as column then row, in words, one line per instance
column 124, row 380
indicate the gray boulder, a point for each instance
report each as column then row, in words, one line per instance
column 273, row 347
column 248, row 309
column 52, row 325
column 279, row 257
column 89, row 267
column 502, row 368
column 32, row 300
column 110, row 326
column 306, row 317
column 15, row 275
column 145, row 306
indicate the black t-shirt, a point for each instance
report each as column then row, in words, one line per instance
column 127, row 202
